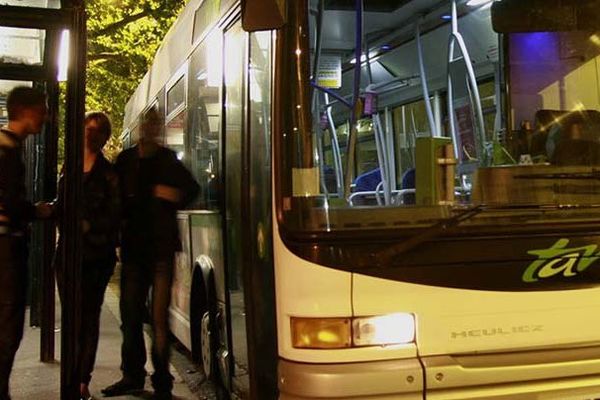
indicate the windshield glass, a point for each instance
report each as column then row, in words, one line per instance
column 401, row 113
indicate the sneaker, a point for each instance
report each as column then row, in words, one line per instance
column 84, row 392
column 123, row 387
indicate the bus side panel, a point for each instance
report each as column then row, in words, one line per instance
column 207, row 241
column 182, row 285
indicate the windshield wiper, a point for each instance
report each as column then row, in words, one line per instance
column 430, row 233
column 445, row 225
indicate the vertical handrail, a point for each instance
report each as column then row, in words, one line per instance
column 315, row 96
column 384, row 164
column 432, row 125
column 380, row 140
column 456, row 38
column 437, row 111
column 335, row 146
column 351, row 147
column 389, row 134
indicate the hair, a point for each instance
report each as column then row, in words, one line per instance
column 23, row 97
column 102, row 120
column 152, row 116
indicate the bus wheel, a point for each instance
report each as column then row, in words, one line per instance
column 207, row 340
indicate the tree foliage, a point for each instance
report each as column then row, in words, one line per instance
column 123, row 36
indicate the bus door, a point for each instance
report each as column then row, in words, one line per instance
column 233, row 137
column 248, row 225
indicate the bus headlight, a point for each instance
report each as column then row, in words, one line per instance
column 340, row 333
column 384, row 330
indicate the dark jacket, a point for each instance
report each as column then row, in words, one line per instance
column 13, row 202
column 100, row 211
column 149, row 231
column 16, row 214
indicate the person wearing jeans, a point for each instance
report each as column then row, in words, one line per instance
column 154, row 184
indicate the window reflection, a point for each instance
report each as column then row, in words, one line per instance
column 204, row 106
column 32, row 3
column 22, row 46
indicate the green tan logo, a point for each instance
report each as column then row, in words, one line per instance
column 560, row 260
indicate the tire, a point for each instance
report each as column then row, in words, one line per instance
column 204, row 328
column 208, row 349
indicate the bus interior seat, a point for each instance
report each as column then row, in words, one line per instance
column 368, row 181
column 552, row 126
column 543, row 120
column 409, row 179
column 574, row 139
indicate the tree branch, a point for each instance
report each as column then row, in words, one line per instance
column 107, row 30
column 105, row 56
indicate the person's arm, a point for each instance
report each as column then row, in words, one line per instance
column 190, row 187
column 56, row 205
column 182, row 188
column 12, row 202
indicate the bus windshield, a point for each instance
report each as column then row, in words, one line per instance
column 399, row 114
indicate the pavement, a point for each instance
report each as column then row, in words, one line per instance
column 33, row 380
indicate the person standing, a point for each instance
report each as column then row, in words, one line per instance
column 26, row 116
column 154, row 184
column 100, row 226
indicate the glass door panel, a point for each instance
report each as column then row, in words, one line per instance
column 234, row 65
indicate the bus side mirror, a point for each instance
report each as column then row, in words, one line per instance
column 514, row 16
column 263, row 15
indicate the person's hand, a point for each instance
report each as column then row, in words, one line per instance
column 167, row 193
column 43, row 210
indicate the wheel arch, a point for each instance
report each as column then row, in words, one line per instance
column 200, row 297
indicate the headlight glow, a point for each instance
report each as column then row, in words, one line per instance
column 340, row 333
column 384, row 330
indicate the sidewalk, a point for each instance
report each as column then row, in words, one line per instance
column 32, row 380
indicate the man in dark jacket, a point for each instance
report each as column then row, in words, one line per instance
column 26, row 116
column 154, row 184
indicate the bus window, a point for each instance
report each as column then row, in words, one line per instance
column 126, row 140
column 205, row 119
column 176, row 117
column 175, row 133
column 521, row 99
column 33, row 3
column 134, row 135
column 409, row 123
column 555, row 87
column 176, row 96
column 5, row 88
column 380, row 122
column 22, row 45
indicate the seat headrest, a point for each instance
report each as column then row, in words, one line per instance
column 545, row 118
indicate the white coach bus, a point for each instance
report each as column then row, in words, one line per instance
column 398, row 196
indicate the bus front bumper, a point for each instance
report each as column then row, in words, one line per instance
column 379, row 380
column 404, row 380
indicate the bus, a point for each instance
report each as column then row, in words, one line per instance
column 398, row 197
